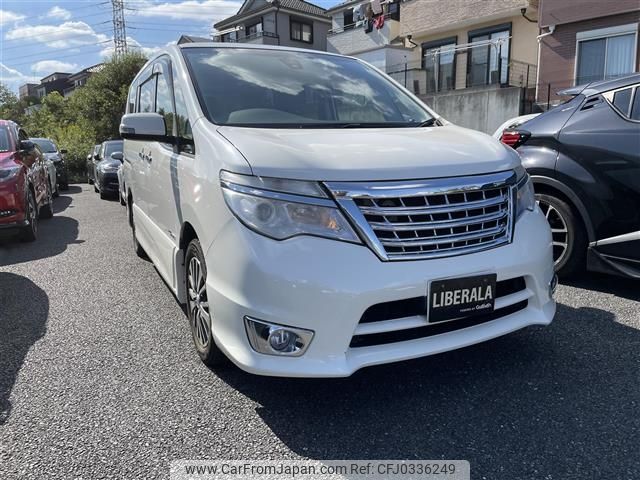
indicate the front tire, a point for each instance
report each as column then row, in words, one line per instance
column 46, row 211
column 569, row 234
column 198, row 308
column 30, row 231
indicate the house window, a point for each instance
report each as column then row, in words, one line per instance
column 229, row 37
column 439, row 64
column 301, row 31
column 605, row 53
column 254, row 29
column 488, row 63
column 348, row 19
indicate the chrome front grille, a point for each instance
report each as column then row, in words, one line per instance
column 431, row 218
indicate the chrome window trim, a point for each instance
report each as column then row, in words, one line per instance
column 345, row 194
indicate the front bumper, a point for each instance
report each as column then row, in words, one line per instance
column 326, row 286
column 108, row 182
column 11, row 205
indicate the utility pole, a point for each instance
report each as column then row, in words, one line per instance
column 119, row 30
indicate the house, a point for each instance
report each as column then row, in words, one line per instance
column 584, row 41
column 294, row 23
column 80, row 78
column 192, row 39
column 56, row 82
column 27, row 90
column 460, row 57
column 380, row 45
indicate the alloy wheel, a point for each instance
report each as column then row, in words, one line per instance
column 198, row 305
column 559, row 230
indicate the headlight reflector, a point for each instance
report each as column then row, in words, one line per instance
column 283, row 215
column 526, row 199
column 9, row 173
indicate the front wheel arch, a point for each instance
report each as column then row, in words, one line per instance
column 550, row 186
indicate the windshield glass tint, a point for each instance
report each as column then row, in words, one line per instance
column 46, row 146
column 5, row 145
column 112, row 147
column 276, row 88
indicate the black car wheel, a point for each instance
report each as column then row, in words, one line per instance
column 198, row 308
column 56, row 192
column 64, row 186
column 103, row 195
column 46, row 211
column 95, row 187
column 569, row 236
column 30, row 231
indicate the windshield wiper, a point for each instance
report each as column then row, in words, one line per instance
column 427, row 123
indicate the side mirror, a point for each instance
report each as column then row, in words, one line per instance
column 63, row 151
column 144, row 126
column 96, row 157
column 117, row 156
column 27, row 146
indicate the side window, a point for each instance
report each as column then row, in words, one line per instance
column 184, row 133
column 164, row 102
column 147, row 95
column 131, row 102
column 635, row 107
column 622, row 100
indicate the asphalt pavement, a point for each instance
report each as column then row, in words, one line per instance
column 99, row 378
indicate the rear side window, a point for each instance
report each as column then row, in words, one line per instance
column 635, row 107
column 622, row 100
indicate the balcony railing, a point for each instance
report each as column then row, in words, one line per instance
column 423, row 81
column 249, row 38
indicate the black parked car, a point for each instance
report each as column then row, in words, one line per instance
column 106, row 180
column 92, row 159
column 55, row 155
column 584, row 159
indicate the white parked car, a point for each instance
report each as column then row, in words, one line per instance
column 317, row 218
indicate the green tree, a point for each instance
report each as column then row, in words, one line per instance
column 102, row 101
column 11, row 108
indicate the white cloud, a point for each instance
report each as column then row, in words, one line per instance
column 10, row 75
column 58, row 12
column 9, row 17
column 12, row 78
column 50, row 66
column 207, row 11
column 68, row 34
column 134, row 45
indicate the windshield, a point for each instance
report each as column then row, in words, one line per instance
column 47, row 146
column 280, row 88
column 5, row 144
column 111, row 147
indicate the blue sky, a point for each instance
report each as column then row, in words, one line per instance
column 38, row 37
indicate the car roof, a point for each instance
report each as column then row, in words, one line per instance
column 601, row 86
column 248, row 46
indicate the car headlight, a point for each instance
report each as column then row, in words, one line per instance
column 525, row 197
column 9, row 173
column 281, row 209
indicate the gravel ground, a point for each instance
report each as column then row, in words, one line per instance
column 99, row 379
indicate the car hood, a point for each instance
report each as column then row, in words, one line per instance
column 114, row 164
column 6, row 159
column 369, row 154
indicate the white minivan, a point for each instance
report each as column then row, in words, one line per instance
column 317, row 218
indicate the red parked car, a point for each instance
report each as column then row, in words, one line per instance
column 25, row 195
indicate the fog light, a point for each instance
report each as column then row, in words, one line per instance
column 274, row 339
column 553, row 284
